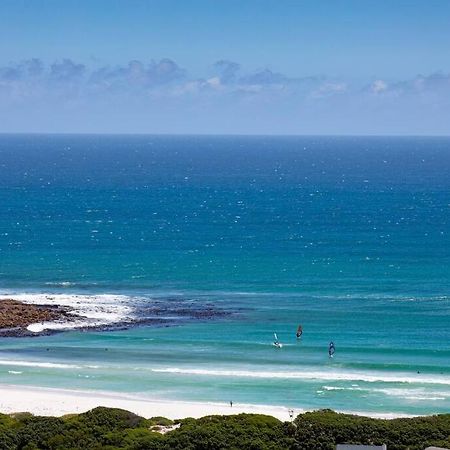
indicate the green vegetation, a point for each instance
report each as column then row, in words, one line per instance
column 322, row 430
column 110, row 429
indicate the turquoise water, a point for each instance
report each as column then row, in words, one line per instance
column 347, row 236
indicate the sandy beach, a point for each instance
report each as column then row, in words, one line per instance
column 58, row 402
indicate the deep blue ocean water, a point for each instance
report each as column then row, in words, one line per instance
column 348, row 236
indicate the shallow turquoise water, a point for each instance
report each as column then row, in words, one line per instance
column 348, row 236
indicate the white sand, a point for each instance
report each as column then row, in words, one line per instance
column 57, row 402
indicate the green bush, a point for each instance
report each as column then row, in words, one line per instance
column 8, row 432
column 322, row 430
column 243, row 431
column 162, row 421
column 115, row 429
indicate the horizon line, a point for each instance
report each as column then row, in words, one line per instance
column 344, row 135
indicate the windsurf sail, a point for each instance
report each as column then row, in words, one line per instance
column 276, row 342
column 331, row 349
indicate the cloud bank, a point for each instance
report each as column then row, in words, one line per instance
column 162, row 97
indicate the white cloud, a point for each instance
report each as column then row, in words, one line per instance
column 329, row 88
column 214, row 82
column 378, row 86
column 231, row 95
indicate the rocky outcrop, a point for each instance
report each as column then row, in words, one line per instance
column 15, row 316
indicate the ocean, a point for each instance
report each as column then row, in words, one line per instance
column 347, row 236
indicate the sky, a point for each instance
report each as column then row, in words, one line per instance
column 225, row 66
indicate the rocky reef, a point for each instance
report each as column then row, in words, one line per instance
column 16, row 316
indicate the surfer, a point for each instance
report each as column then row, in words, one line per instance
column 331, row 349
column 299, row 332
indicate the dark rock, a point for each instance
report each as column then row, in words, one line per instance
column 15, row 316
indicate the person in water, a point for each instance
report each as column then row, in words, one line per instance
column 276, row 342
column 299, row 332
column 331, row 349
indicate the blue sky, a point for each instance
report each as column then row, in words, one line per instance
column 255, row 66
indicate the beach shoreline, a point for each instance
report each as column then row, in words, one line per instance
column 59, row 402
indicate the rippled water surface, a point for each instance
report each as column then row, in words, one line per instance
column 348, row 236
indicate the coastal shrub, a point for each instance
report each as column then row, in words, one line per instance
column 98, row 427
column 8, row 432
column 20, row 416
column 109, row 419
column 116, row 429
column 322, row 430
column 162, row 421
column 243, row 431
column 142, row 439
column 38, row 431
column 7, row 440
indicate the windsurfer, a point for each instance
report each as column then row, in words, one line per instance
column 331, row 349
column 276, row 342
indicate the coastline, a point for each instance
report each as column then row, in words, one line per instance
column 59, row 402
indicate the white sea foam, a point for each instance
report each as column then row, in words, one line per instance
column 415, row 394
column 47, row 365
column 406, row 394
column 340, row 388
column 368, row 377
column 15, row 372
column 93, row 310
